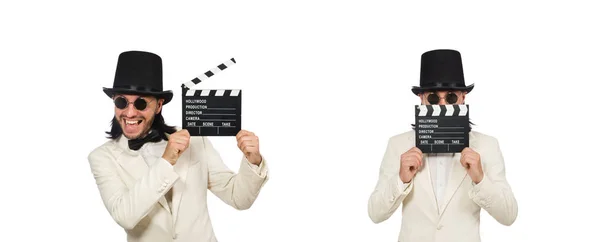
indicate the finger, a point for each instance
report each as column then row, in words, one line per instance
column 242, row 137
column 472, row 162
column 248, row 143
column 411, row 150
column 417, row 156
column 463, row 162
column 177, row 149
column 178, row 136
column 241, row 133
column 470, row 158
column 413, row 154
column 182, row 137
column 467, row 163
column 417, row 161
column 244, row 143
column 404, row 163
column 417, row 150
column 413, row 163
column 181, row 147
column 182, row 140
column 409, row 163
column 249, row 150
column 248, row 138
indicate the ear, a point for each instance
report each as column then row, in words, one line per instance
column 159, row 105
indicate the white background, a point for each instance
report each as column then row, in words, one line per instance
column 325, row 84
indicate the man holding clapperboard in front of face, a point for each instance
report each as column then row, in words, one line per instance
column 442, row 192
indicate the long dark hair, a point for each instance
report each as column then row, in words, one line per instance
column 158, row 124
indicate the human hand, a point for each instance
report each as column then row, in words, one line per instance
column 249, row 145
column 410, row 162
column 178, row 142
column 471, row 160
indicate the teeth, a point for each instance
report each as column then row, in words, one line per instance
column 131, row 122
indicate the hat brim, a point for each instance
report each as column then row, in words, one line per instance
column 418, row 90
column 166, row 95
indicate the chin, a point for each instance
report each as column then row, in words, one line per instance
column 131, row 136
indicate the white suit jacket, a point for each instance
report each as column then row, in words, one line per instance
column 132, row 185
column 458, row 219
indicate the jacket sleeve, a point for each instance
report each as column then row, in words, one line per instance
column 128, row 206
column 389, row 191
column 493, row 193
column 237, row 190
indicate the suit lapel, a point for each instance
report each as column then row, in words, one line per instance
column 429, row 184
column 178, row 189
column 427, row 181
column 135, row 165
column 457, row 175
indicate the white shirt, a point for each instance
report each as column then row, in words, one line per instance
column 439, row 168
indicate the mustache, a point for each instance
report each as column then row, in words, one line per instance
column 125, row 116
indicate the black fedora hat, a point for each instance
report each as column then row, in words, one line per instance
column 441, row 70
column 139, row 73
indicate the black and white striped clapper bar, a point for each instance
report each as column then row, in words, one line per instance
column 211, row 112
column 442, row 128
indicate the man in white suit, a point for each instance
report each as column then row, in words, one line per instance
column 153, row 178
column 442, row 194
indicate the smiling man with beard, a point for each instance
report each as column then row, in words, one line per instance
column 153, row 178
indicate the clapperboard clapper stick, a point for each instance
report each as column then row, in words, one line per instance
column 442, row 128
column 211, row 112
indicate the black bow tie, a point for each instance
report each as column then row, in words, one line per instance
column 136, row 144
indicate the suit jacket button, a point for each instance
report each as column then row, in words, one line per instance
column 175, row 236
column 439, row 227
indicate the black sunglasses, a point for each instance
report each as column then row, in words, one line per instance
column 433, row 98
column 139, row 104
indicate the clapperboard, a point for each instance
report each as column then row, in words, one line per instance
column 442, row 128
column 211, row 112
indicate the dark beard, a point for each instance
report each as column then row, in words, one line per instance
column 158, row 123
column 147, row 127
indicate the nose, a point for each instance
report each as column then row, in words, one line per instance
column 130, row 110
